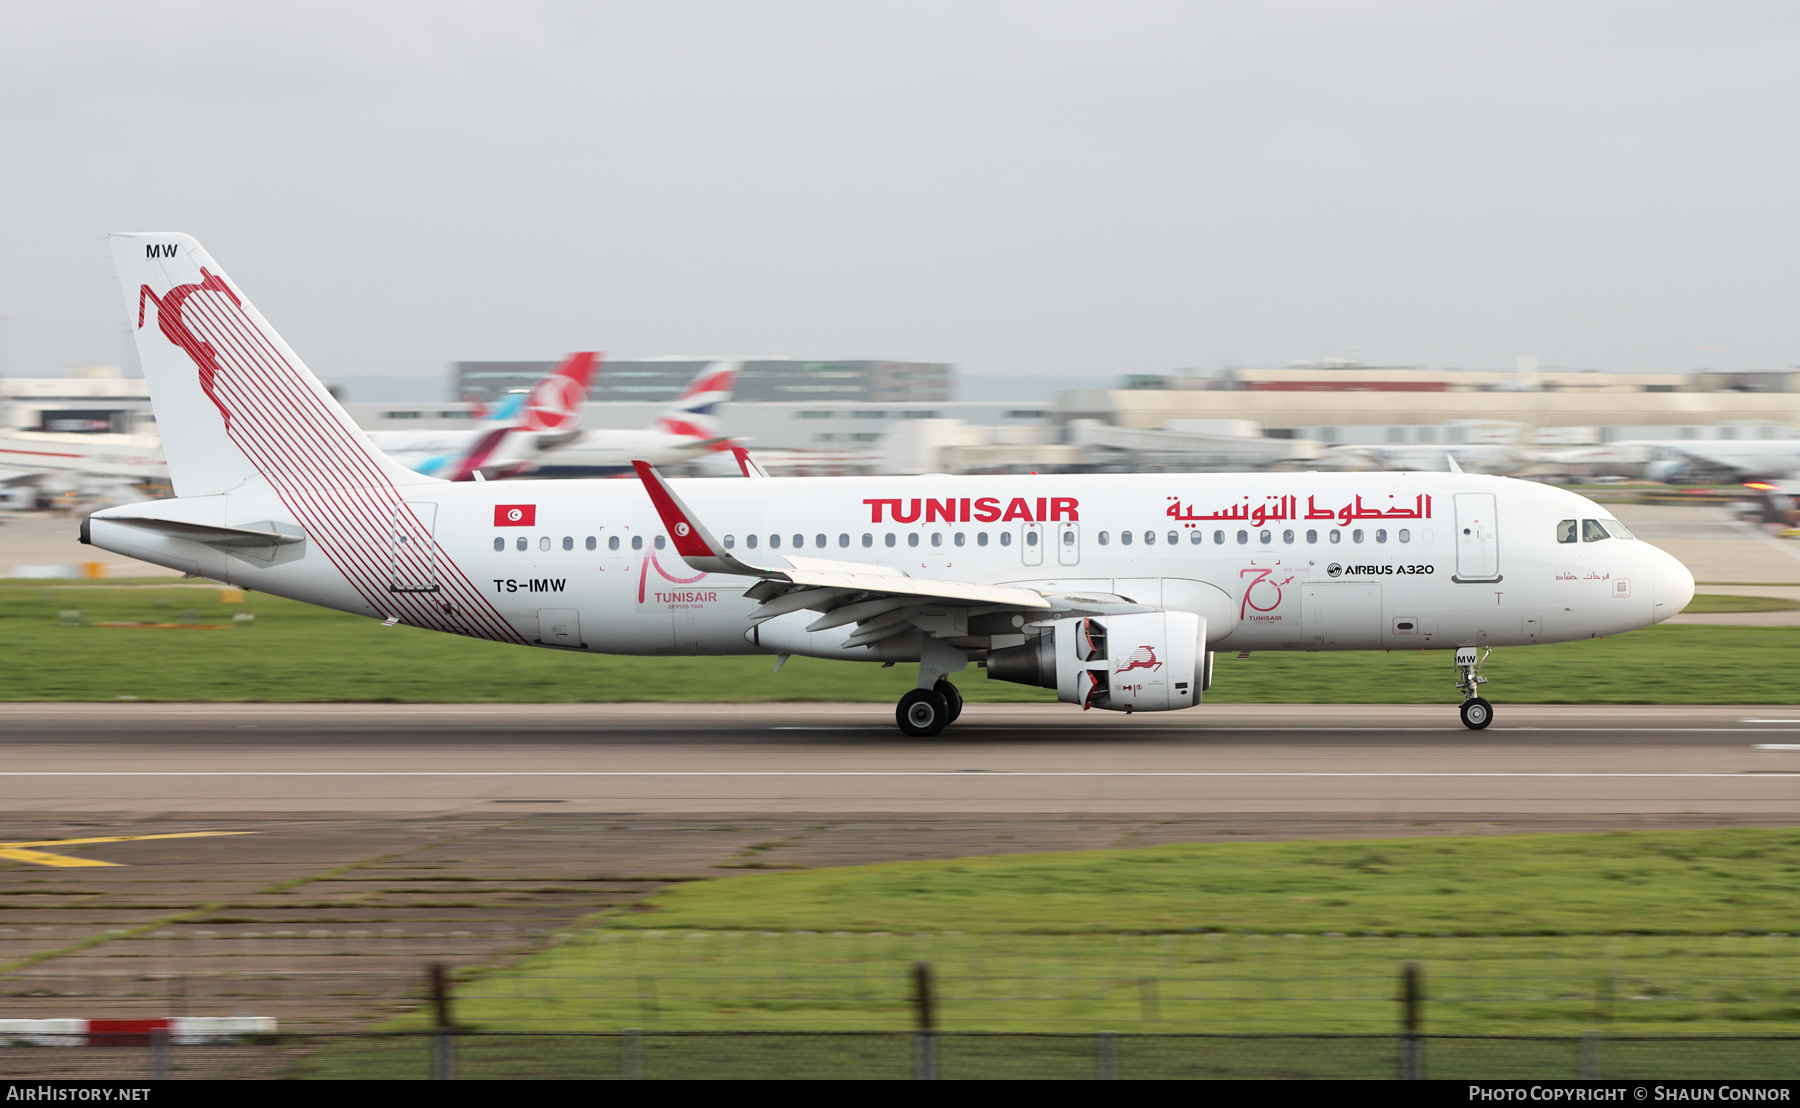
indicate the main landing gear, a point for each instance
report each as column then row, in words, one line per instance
column 1477, row 713
column 924, row 712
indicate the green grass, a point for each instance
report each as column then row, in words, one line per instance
column 1653, row 931
column 1712, row 603
column 295, row 652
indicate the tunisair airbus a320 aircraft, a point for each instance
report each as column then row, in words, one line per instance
column 1114, row 590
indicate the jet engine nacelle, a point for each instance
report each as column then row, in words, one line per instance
column 1145, row 662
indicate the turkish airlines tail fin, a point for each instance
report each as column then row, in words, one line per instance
column 554, row 404
column 695, row 413
column 232, row 400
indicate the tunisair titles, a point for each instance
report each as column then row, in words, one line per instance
column 1275, row 509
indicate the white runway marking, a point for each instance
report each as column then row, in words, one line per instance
column 1738, row 774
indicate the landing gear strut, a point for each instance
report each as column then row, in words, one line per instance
column 1477, row 713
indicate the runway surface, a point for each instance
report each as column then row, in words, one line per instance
column 784, row 758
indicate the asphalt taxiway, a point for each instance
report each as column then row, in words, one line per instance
column 137, row 759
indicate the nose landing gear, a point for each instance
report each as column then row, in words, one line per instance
column 1476, row 712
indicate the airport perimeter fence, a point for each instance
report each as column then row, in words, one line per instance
column 898, row 1055
column 665, row 981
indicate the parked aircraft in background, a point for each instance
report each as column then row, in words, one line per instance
column 95, row 466
column 1114, row 590
column 1685, row 459
column 691, row 426
column 506, row 440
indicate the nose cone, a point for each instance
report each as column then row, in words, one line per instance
column 1674, row 586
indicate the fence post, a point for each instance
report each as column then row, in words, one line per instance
column 631, row 1043
column 924, row 1034
column 1411, row 998
column 443, row 1043
column 159, row 1054
column 1590, row 1055
column 1106, row 1052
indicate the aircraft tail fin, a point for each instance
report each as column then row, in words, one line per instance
column 695, row 413
column 554, row 404
column 233, row 401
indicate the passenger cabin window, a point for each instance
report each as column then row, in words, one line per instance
column 1264, row 538
column 1031, row 538
column 799, row 542
column 1104, row 538
column 1381, row 534
column 1287, row 536
column 868, row 539
column 544, row 543
column 612, row 543
column 1312, row 536
column 521, row 543
column 730, row 541
column 750, row 541
column 1592, row 530
column 637, row 542
column 889, row 538
column 843, row 540
column 568, row 542
column 1219, row 538
column 1356, row 535
column 1006, row 538
column 1149, row 538
column 819, row 541
column 1336, row 535
column 912, row 539
column 1194, row 536
column 1565, row 531
column 661, row 542
column 1405, row 535
column 499, row 544
column 961, row 538
column 937, row 538
column 1125, row 538
column 592, row 542
column 981, row 538
column 1243, row 537
column 774, row 542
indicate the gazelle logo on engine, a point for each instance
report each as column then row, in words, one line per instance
column 1144, row 657
column 1333, row 569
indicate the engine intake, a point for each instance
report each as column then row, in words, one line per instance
column 1144, row 662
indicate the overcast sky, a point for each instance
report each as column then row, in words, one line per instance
column 1031, row 187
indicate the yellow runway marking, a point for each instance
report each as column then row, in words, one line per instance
column 19, row 852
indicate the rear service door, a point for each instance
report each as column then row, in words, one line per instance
column 412, row 550
column 1477, row 537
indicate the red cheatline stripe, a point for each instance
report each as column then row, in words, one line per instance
column 274, row 407
column 419, row 563
column 40, row 453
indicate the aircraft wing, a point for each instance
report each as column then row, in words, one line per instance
column 881, row 600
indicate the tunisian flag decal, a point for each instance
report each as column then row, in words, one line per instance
column 515, row 515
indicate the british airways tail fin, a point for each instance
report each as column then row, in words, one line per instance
column 695, row 413
column 233, row 402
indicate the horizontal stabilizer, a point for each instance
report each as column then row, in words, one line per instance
column 266, row 534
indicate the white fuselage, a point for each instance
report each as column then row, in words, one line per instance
column 1273, row 561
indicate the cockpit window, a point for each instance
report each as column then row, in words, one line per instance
column 1565, row 531
column 1616, row 529
column 1592, row 530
